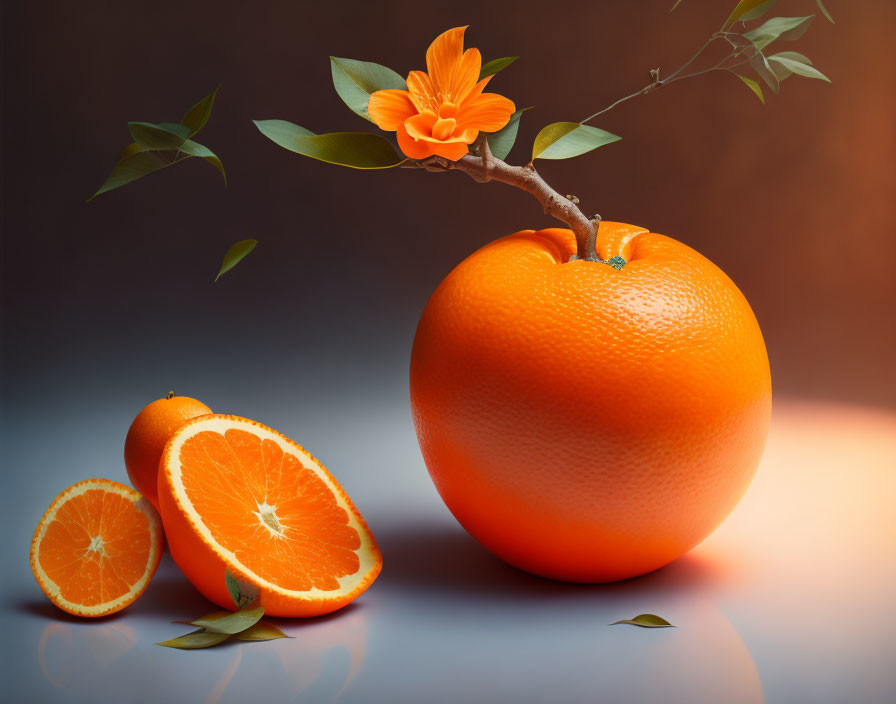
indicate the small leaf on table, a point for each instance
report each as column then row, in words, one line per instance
column 501, row 142
column 232, row 257
column 563, row 140
column 495, row 65
column 261, row 631
column 195, row 640
column 646, row 621
column 354, row 81
column 230, row 622
column 233, row 587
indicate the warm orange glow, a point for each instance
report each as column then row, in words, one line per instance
column 445, row 109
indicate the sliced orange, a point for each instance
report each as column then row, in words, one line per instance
column 236, row 495
column 96, row 548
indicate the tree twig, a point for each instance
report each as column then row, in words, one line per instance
column 485, row 166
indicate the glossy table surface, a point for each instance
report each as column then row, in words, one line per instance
column 791, row 600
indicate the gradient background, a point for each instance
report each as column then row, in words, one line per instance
column 108, row 305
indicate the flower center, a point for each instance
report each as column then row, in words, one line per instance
column 447, row 109
column 443, row 128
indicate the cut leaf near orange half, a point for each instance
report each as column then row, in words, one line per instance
column 96, row 548
column 236, row 495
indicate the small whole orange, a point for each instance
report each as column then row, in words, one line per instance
column 148, row 434
column 586, row 422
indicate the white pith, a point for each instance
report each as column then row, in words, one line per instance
column 96, row 545
column 221, row 425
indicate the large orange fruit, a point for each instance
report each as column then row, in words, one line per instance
column 147, row 437
column 96, row 548
column 236, row 495
column 582, row 422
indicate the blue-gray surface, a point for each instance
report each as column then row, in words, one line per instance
column 788, row 602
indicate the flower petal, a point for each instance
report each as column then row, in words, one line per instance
column 477, row 90
column 389, row 108
column 489, row 112
column 443, row 58
column 422, row 93
column 450, row 150
column 412, row 148
column 465, row 76
column 420, row 126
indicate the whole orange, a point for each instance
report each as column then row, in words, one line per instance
column 586, row 423
column 147, row 436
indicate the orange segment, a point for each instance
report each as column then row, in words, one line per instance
column 96, row 548
column 238, row 495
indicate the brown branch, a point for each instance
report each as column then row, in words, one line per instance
column 486, row 167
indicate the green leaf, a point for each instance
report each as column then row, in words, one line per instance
column 753, row 86
column 181, row 131
column 761, row 66
column 192, row 148
column 134, row 162
column 230, row 623
column 824, row 11
column 787, row 28
column 798, row 67
column 501, row 142
column 743, row 7
column 357, row 150
column 195, row 640
column 563, row 140
column 354, row 81
column 495, row 65
column 757, row 11
column 232, row 257
column 261, row 631
column 198, row 115
column 150, row 136
column 233, row 587
column 646, row 621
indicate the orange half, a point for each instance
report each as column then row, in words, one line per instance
column 236, row 495
column 96, row 548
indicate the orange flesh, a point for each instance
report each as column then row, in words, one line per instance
column 96, row 548
column 278, row 517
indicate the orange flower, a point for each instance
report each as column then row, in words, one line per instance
column 443, row 111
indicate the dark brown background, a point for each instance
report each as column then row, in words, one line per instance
column 794, row 199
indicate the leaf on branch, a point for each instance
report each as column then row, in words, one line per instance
column 753, row 86
column 824, row 11
column 354, row 81
column 357, row 150
column 198, row 115
column 742, row 8
column 501, row 142
column 563, row 140
column 760, row 65
column 143, row 157
column 786, row 28
column 195, row 640
column 261, row 631
column 232, row 257
column 495, row 65
column 797, row 66
column 757, row 11
column 150, row 136
column 134, row 162
column 646, row 621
